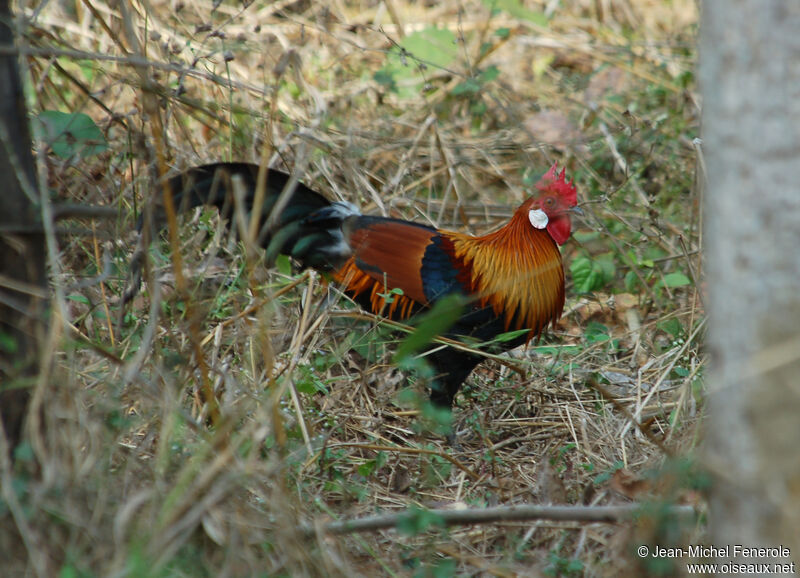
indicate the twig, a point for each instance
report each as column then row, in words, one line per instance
column 520, row 513
column 623, row 165
column 594, row 384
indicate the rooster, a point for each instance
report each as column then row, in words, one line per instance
column 512, row 280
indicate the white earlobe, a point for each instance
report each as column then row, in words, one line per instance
column 538, row 218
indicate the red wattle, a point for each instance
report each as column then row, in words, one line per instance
column 559, row 228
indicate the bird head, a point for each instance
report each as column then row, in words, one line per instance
column 551, row 204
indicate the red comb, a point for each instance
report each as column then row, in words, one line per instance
column 554, row 180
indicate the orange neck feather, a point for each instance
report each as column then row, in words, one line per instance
column 517, row 271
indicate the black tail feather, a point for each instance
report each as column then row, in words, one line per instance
column 308, row 227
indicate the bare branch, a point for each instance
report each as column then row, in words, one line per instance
column 521, row 513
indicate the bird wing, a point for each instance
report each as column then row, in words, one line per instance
column 390, row 253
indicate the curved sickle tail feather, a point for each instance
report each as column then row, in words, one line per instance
column 308, row 228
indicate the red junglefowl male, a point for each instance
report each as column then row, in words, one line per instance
column 512, row 279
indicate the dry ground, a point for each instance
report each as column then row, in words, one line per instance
column 441, row 112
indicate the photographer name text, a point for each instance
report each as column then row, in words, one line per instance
column 734, row 551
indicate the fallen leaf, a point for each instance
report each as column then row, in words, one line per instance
column 629, row 484
column 606, row 82
column 549, row 485
column 554, row 128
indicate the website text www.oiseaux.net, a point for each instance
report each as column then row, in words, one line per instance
column 738, row 559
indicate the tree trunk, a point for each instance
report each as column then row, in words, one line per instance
column 750, row 79
column 23, row 279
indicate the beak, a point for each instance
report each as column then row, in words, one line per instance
column 577, row 210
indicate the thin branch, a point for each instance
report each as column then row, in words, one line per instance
column 594, row 384
column 520, row 513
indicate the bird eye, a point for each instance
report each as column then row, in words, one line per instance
column 549, row 202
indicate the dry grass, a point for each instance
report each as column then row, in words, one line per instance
column 132, row 482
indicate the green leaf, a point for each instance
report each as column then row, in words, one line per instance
column 409, row 397
column 510, row 335
column 674, row 280
column 474, row 84
column 388, row 297
column 580, row 268
column 309, row 383
column 574, row 566
column 583, row 237
column 584, row 274
column 8, row 343
column 403, row 71
column 478, row 108
column 418, row 520
column 306, row 386
column 372, row 344
column 24, row 452
column 283, row 264
column 672, row 326
column 435, row 418
column 489, row 74
column 434, row 46
column 631, row 282
column 592, row 274
column 607, row 267
column 70, row 134
column 367, row 468
column 386, row 78
column 469, row 86
column 596, row 332
column 517, row 10
column 443, row 569
column 444, row 313
column 605, row 476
